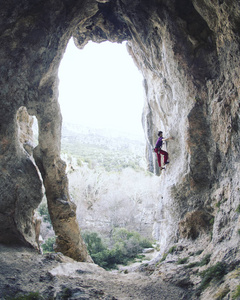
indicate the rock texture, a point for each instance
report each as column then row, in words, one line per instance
column 188, row 52
column 34, row 35
column 55, row 276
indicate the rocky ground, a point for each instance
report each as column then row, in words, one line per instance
column 183, row 272
column 54, row 276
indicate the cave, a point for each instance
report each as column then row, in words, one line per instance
column 188, row 54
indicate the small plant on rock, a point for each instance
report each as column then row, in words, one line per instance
column 182, row 261
column 238, row 209
column 199, row 252
column 164, row 257
column 170, row 251
column 211, row 221
column 222, row 293
column 215, row 273
column 236, row 294
column 191, row 265
column 205, row 260
column 29, row 296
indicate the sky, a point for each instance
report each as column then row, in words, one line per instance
column 101, row 87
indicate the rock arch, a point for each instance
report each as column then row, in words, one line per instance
column 188, row 53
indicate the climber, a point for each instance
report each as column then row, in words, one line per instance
column 159, row 151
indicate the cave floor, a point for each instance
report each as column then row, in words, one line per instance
column 54, row 276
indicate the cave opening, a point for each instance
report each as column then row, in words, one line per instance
column 115, row 188
column 100, row 87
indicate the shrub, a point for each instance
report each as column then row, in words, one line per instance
column 182, row 261
column 164, row 257
column 236, row 294
column 94, row 242
column 211, row 221
column 199, row 252
column 191, row 265
column 129, row 241
column 222, row 293
column 215, row 272
column 126, row 247
column 238, row 209
column 29, row 296
column 205, row 260
column 43, row 211
column 172, row 249
column 48, row 246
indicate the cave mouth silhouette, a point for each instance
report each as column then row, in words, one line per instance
column 93, row 78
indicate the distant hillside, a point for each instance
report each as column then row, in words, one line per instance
column 103, row 148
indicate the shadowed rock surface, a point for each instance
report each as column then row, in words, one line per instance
column 55, row 276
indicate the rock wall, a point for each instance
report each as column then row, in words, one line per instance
column 188, row 53
column 33, row 37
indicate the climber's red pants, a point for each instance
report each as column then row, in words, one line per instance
column 164, row 153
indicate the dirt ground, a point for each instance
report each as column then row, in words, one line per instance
column 55, row 276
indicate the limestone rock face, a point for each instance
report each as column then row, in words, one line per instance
column 188, row 53
column 33, row 38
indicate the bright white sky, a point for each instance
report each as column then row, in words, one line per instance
column 101, row 87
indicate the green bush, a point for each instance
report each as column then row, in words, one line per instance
column 211, row 221
column 43, row 211
column 125, row 248
column 199, row 252
column 172, row 249
column 29, row 296
column 49, row 244
column 192, row 265
column 164, row 256
column 182, row 261
column 238, row 209
column 94, row 242
column 205, row 260
column 222, row 293
column 236, row 294
column 215, row 272
column 130, row 242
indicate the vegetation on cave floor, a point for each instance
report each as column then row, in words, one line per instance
column 124, row 247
